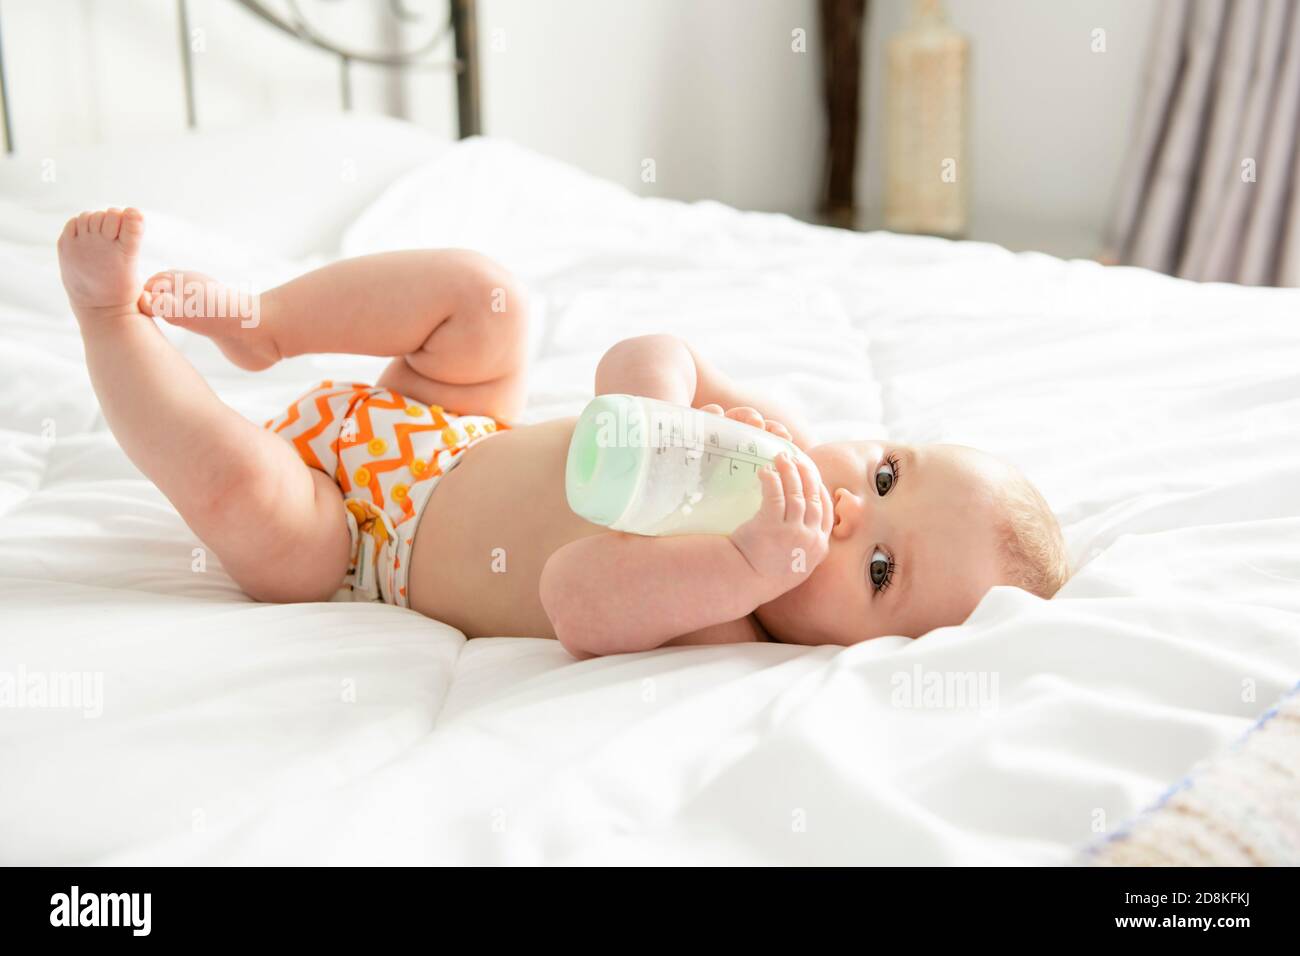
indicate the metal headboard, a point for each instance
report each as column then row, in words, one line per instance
column 460, row 26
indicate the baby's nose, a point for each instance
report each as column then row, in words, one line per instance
column 848, row 511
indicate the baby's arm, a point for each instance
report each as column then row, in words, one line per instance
column 666, row 368
column 615, row 593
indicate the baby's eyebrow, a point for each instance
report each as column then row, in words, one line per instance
column 907, row 458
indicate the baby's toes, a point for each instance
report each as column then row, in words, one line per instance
column 83, row 224
column 160, row 305
column 132, row 230
column 96, row 222
column 159, row 282
column 156, row 298
column 111, row 224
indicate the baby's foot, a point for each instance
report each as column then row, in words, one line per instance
column 230, row 317
column 97, row 258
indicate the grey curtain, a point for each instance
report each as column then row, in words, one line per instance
column 1209, row 188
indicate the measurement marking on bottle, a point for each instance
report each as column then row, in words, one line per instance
column 746, row 454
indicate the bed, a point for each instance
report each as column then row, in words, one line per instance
column 156, row 715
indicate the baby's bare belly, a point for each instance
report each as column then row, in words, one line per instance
column 488, row 529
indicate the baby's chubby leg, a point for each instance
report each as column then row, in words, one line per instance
column 277, row 525
column 454, row 321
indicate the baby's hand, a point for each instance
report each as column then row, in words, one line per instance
column 750, row 416
column 790, row 534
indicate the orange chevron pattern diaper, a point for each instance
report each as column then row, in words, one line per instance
column 387, row 454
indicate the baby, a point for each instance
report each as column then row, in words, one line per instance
column 420, row 491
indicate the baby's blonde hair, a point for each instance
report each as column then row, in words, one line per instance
column 1032, row 544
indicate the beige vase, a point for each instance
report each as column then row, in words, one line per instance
column 925, row 163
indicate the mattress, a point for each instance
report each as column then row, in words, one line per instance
column 156, row 715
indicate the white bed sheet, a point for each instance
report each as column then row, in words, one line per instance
column 1161, row 418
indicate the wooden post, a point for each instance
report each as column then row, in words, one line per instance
column 465, row 30
column 842, row 23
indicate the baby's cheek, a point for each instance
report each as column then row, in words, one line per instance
column 829, row 590
column 846, row 600
column 838, row 574
column 796, row 617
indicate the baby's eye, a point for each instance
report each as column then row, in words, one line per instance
column 885, row 475
column 882, row 569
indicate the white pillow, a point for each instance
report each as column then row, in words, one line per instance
column 289, row 187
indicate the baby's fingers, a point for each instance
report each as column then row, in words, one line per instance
column 792, row 485
column 773, row 504
column 743, row 413
column 811, row 488
column 777, row 429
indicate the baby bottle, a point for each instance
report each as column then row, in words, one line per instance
column 649, row 467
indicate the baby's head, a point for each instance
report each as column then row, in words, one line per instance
column 921, row 533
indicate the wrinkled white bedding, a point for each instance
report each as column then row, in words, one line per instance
column 1162, row 419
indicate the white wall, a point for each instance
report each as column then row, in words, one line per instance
column 1050, row 118
column 709, row 89
column 713, row 92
